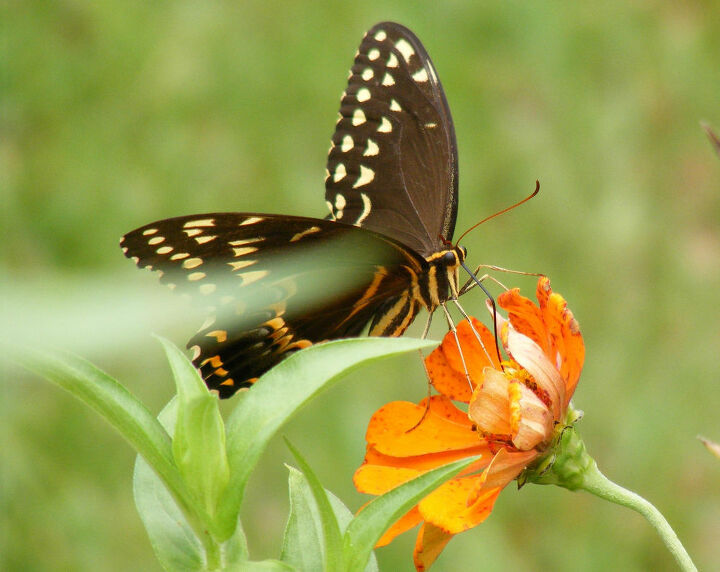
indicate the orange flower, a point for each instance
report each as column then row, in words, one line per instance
column 512, row 414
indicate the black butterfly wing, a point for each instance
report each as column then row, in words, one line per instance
column 392, row 166
column 272, row 284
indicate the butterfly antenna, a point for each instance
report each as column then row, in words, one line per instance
column 511, row 207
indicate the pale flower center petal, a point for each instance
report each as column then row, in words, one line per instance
column 530, row 356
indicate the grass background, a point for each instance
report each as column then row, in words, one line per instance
column 115, row 114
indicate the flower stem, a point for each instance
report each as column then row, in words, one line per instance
column 598, row 484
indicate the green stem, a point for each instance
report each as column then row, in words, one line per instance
column 598, row 484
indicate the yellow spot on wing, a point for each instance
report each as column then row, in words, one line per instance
column 199, row 222
column 243, row 241
column 164, row 249
column 149, row 231
column 207, row 288
column 300, row 235
column 156, row 240
column 243, row 251
column 192, row 231
column 204, row 239
column 252, row 220
column 250, row 277
column 195, row 276
column 219, row 335
column 179, row 256
column 192, row 263
column 241, row 264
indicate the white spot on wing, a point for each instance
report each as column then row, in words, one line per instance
column 372, row 149
column 388, row 80
column 330, row 208
column 358, row 117
column 392, row 61
column 385, row 126
column 405, row 49
column 394, row 105
column 380, row 35
column 347, row 144
column 366, row 176
column 363, row 94
column 195, row 276
column 340, row 202
column 421, row 75
column 196, row 351
column 373, row 54
column 367, row 74
column 340, row 172
column 367, row 208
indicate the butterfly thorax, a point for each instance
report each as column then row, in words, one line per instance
column 428, row 289
column 441, row 282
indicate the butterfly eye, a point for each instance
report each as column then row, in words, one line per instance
column 449, row 257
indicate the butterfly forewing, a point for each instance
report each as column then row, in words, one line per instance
column 392, row 166
column 271, row 283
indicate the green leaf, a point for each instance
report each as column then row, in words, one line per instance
column 266, row 566
column 199, row 441
column 327, row 547
column 369, row 525
column 301, row 542
column 174, row 541
column 117, row 406
column 280, row 393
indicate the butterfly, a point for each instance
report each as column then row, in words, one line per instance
column 273, row 284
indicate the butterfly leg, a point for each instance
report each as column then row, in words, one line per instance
column 453, row 329
column 476, row 333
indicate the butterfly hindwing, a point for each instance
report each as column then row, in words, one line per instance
column 271, row 283
column 392, row 166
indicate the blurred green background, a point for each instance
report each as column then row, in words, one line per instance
column 115, row 114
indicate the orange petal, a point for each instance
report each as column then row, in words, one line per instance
column 430, row 543
column 476, row 355
column 525, row 317
column 406, row 522
column 394, row 428
column 451, row 383
column 448, row 508
column 380, row 473
column 567, row 341
column 379, row 479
